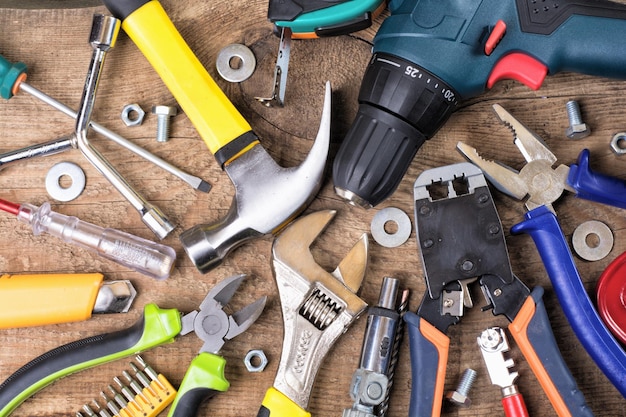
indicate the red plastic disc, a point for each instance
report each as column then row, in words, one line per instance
column 611, row 293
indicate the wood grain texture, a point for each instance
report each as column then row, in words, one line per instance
column 53, row 43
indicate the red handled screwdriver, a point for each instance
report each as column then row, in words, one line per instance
column 144, row 256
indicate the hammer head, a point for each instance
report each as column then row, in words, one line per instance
column 267, row 197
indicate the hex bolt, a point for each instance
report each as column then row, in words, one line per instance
column 576, row 129
column 460, row 395
column 163, row 114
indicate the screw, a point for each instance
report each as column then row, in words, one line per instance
column 163, row 114
column 460, row 395
column 576, row 129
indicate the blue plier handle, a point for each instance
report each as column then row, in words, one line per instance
column 540, row 185
column 543, row 227
column 594, row 186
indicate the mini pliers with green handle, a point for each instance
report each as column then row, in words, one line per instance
column 157, row 326
column 205, row 375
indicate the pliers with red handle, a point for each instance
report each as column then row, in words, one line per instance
column 461, row 240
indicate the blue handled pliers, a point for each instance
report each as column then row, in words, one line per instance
column 541, row 185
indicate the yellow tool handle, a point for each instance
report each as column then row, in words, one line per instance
column 277, row 404
column 217, row 120
column 37, row 300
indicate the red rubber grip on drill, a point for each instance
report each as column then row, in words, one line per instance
column 514, row 406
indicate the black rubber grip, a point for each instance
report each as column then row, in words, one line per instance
column 358, row 23
column 57, row 360
column 263, row 412
column 289, row 10
column 123, row 8
column 375, row 154
column 235, row 146
column 188, row 404
column 400, row 107
column 545, row 18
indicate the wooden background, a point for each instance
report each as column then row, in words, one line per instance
column 53, row 43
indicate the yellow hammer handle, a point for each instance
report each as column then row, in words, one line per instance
column 213, row 115
column 37, row 300
column 277, row 404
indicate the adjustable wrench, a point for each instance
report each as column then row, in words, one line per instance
column 317, row 307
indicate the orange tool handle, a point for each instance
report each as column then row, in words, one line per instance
column 429, row 358
column 514, row 406
column 533, row 334
column 36, row 300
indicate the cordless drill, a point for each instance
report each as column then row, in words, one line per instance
column 429, row 55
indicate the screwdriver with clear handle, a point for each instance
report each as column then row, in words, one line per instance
column 141, row 255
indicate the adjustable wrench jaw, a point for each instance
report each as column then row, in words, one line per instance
column 317, row 307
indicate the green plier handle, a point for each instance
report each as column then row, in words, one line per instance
column 157, row 326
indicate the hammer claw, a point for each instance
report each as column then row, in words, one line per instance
column 267, row 198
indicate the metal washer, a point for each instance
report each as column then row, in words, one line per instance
column 235, row 75
column 395, row 215
column 54, row 187
column 592, row 227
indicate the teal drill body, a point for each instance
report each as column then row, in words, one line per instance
column 447, row 38
column 429, row 55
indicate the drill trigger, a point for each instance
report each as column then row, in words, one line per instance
column 520, row 67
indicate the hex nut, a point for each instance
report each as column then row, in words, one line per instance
column 618, row 143
column 255, row 355
column 131, row 110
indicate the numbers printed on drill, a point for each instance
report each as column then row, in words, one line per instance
column 414, row 72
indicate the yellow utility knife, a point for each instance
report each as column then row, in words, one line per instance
column 37, row 300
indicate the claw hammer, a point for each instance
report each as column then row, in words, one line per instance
column 267, row 196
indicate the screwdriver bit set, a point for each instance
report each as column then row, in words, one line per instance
column 144, row 394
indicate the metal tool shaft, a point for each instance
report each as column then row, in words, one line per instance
column 195, row 182
column 102, row 38
column 52, row 147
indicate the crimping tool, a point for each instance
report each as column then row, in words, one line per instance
column 461, row 240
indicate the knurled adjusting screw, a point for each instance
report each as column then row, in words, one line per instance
column 460, row 396
column 576, row 129
column 163, row 114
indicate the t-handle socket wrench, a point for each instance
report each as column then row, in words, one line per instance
column 102, row 38
column 14, row 81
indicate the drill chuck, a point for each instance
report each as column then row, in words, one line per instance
column 401, row 105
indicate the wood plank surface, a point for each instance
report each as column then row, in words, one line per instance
column 53, row 43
